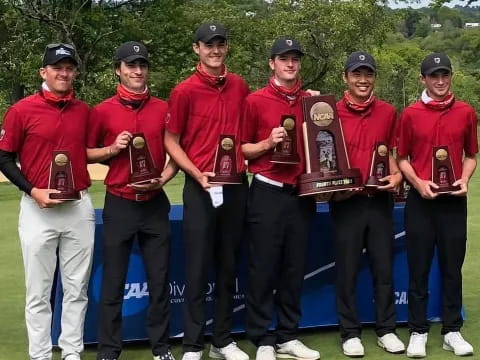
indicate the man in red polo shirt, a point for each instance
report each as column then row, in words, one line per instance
column 433, row 220
column 365, row 219
column 203, row 107
column 132, row 210
column 33, row 128
column 278, row 220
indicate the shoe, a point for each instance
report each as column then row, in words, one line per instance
column 295, row 349
column 453, row 341
column 416, row 345
column 353, row 347
column 265, row 352
column 229, row 352
column 72, row 356
column 391, row 343
column 192, row 355
column 167, row 356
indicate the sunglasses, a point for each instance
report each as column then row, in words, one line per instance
column 53, row 46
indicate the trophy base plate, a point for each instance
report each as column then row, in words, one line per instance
column 70, row 195
column 226, row 179
column 373, row 182
column 446, row 189
column 144, row 179
column 278, row 158
column 318, row 183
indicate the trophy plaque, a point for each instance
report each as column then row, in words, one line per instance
column 225, row 167
column 61, row 177
column 327, row 165
column 442, row 171
column 285, row 152
column 142, row 167
column 380, row 166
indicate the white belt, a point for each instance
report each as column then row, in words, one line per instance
column 268, row 181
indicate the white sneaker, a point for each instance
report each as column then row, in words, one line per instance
column 167, row 356
column 453, row 341
column 353, row 347
column 416, row 345
column 265, row 352
column 192, row 355
column 295, row 349
column 229, row 352
column 391, row 343
column 72, row 356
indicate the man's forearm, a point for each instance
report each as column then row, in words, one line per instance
column 9, row 168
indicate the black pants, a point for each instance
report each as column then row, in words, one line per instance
column 440, row 223
column 278, row 224
column 364, row 222
column 210, row 235
column 123, row 220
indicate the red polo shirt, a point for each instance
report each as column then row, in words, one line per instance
column 421, row 128
column 361, row 130
column 263, row 112
column 110, row 118
column 35, row 127
column 200, row 113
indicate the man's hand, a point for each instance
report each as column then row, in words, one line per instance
column 424, row 188
column 41, row 196
column 120, row 143
column 313, row 92
column 203, row 180
column 276, row 136
column 394, row 181
column 154, row 184
column 463, row 187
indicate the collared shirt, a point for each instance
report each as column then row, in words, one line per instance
column 35, row 127
column 421, row 128
column 200, row 112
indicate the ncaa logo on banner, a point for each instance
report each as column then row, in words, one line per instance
column 135, row 296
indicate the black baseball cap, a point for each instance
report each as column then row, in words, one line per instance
column 130, row 51
column 434, row 62
column 207, row 31
column 283, row 45
column 358, row 59
column 56, row 52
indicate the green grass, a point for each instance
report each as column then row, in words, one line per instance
column 13, row 339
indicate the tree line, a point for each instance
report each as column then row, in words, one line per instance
column 328, row 31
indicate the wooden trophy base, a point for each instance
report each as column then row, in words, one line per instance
column 70, row 195
column 226, row 179
column 318, row 183
column 144, row 179
column 279, row 158
column 373, row 182
column 448, row 189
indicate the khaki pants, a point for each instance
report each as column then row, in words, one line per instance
column 70, row 228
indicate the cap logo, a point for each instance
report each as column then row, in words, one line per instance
column 361, row 57
column 62, row 51
column 136, row 48
column 289, row 42
column 437, row 60
column 213, row 27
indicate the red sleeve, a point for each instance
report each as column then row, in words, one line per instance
column 471, row 140
column 177, row 112
column 12, row 133
column 404, row 135
column 95, row 135
column 249, row 123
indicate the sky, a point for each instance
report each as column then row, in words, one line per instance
column 420, row 3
